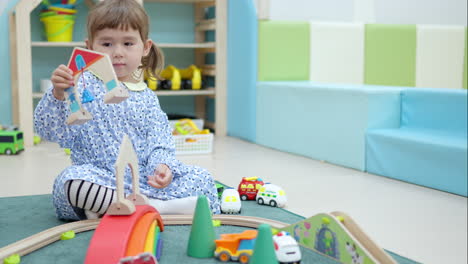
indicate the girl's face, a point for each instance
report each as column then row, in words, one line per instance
column 125, row 49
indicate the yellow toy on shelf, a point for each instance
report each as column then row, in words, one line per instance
column 171, row 76
column 151, row 81
column 187, row 127
column 191, row 78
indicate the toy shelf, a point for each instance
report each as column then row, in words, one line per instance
column 195, row 37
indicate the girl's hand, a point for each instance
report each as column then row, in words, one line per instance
column 61, row 78
column 161, row 178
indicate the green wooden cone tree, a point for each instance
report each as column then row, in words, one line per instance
column 202, row 235
column 264, row 250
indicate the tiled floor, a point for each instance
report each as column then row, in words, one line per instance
column 423, row 224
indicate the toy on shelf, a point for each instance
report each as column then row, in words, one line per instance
column 171, row 78
column 236, row 247
column 99, row 64
column 270, row 194
column 128, row 227
column 176, row 79
column 151, row 81
column 58, row 21
column 286, row 248
column 11, row 142
column 249, row 187
column 230, row 201
column 186, row 126
column 191, row 78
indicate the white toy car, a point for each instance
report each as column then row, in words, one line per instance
column 286, row 248
column 272, row 195
column 230, row 201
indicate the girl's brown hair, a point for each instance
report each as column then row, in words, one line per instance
column 126, row 14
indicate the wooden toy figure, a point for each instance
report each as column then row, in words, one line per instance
column 101, row 65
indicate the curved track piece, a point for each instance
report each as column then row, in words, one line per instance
column 46, row 237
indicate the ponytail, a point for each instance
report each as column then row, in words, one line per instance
column 153, row 63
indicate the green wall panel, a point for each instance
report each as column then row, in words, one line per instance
column 390, row 54
column 283, row 50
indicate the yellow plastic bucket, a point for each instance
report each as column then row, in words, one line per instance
column 58, row 28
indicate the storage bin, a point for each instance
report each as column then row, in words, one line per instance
column 193, row 144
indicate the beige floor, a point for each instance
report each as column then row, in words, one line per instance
column 423, row 224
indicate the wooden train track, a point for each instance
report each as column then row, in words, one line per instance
column 44, row 238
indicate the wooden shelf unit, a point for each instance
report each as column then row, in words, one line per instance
column 21, row 61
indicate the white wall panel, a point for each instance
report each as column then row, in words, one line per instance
column 444, row 12
column 337, row 52
column 320, row 10
column 439, row 56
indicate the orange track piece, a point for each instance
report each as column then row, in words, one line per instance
column 136, row 243
column 109, row 242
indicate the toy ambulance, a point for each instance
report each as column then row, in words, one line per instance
column 230, row 201
column 286, row 248
column 270, row 194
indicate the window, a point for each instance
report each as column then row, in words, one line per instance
column 8, row 139
column 19, row 136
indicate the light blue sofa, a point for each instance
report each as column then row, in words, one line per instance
column 324, row 121
column 429, row 147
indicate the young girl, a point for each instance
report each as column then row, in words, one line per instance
column 84, row 190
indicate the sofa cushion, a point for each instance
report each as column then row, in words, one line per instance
column 432, row 158
column 443, row 110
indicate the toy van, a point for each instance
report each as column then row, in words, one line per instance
column 270, row 194
column 230, row 201
column 286, row 248
column 11, row 142
column 249, row 187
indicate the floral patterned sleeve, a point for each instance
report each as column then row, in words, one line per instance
column 50, row 118
column 161, row 146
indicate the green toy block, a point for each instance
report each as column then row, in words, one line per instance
column 264, row 250
column 67, row 235
column 216, row 223
column 202, row 235
column 13, row 259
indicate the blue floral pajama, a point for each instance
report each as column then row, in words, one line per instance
column 95, row 145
